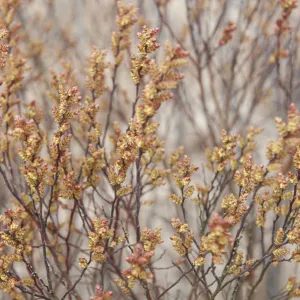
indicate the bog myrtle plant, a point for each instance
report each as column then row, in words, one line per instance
column 78, row 183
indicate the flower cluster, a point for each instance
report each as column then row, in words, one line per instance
column 101, row 295
column 34, row 168
column 141, row 64
column 121, row 39
column 215, row 241
column 288, row 6
column 92, row 165
column 95, row 77
column 19, row 233
column 236, row 267
column 231, row 144
column 279, row 253
column 8, row 283
column 98, row 238
column 288, row 131
column 3, row 48
column 63, row 114
column 282, row 26
column 220, row 156
column 234, row 207
column 127, row 152
column 141, row 134
column 163, row 78
column 296, row 254
column 293, row 287
column 182, row 172
column 8, row 27
column 151, row 239
column 138, row 260
column 227, row 33
column 239, row 266
column 294, row 234
column 182, row 241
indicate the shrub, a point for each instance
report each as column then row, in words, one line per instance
column 96, row 207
